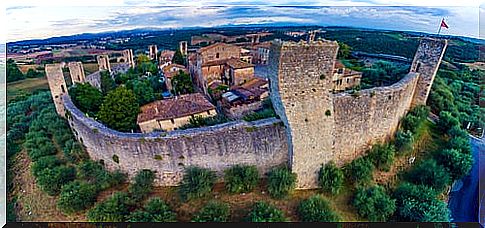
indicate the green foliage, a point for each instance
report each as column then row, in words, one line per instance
column 418, row 203
column 31, row 73
column 374, row 203
column 107, row 83
column 145, row 65
column 119, row 109
column 281, row 182
column 178, row 58
column 13, row 72
column 52, row 180
column 155, row 210
column 383, row 73
column 76, row 196
column 264, row 212
column 317, row 209
column 263, row 114
column 199, row 121
column 114, row 209
column 461, row 144
column 142, row 185
column 360, row 170
column 447, row 121
column 46, row 162
column 331, row 178
column 343, row 50
column 182, row 83
column 86, row 97
column 429, row 173
column 196, row 183
column 95, row 174
column 213, row 212
column 382, row 156
column 456, row 163
column 420, row 111
column 457, row 132
column 404, row 140
column 410, row 123
column 38, row 145
column 240, row 178
column 74, row 152
column 143, row 91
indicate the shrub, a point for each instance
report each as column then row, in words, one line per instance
column 456, row 163
column 264, row 212
column 51, row 180
column 156, row 210
column 447, row 121
column 142, row 185
column 418, row 203
column 241, row 178
column 47, row 162
column 94, row 173
column 74, row 152
column 38, row 145
column 360, row 170
column 429, row 173
column 281, row 182
column 374, row 203
column 263, row 114
column 331, row 178
column 76, row 196
column 199, row 121
column 420, row 111
column 316, row 209
column 114, row 209
column 404, row 140
column 197, row 182
column 382, row 156
column 140, row 216
column 461, row 144
column 410, row 123
column 456, row 131
column 213, row 212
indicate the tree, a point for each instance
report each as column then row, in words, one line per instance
column 178, row 58
column 240, row 178
column 360, row 170
column 331, row 178
column 119, row 109
column 142, row 185
column 410, row 123
column 456, row 163
column 107, row 82
column 52, row 180
column 264, row 212
column 418, row 203
column 31, row 73
column 281, row 182
column 156, row 210
column 461, row 144
column 46, row 162
column 87, row 98
column 382, row 155
column 404, row 140
column 429, row 173
column 374, row 203
column 447, row 121
column 143, row 91
column 317, row 209
column 114, row 209
column 213, row 212
column 145, row 64
column 182, row 83
column 196, row 183
column 13, row 72
column 76, row 196
column 343, row 50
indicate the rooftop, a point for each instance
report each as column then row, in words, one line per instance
column 184, row 105
column 238, row 64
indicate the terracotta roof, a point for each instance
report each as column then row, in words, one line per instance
column 202, row 49
column 167, row 54
column 238, row 64
column 215, row 62
column 169, row 73
column 255, row 83
column 339, row 65
column 184, row 105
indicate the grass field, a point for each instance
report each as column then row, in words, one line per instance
column 27, row 86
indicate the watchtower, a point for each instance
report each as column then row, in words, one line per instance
column 426, row 62
column 152, row 51
column 77, row 72
column 57, row 85
column 103, row 62
column 183, row 47
column 301, row 83
column 128, row 57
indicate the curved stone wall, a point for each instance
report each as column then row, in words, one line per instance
column 260, row 143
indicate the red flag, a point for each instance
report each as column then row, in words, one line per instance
column 443, row 23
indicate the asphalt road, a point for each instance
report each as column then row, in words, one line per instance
column 464, row 202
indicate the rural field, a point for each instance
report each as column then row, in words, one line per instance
column 25, row 87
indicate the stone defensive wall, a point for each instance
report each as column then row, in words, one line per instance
column 261, row 143
column 369, row 116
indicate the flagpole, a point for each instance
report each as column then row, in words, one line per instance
column 439, row 30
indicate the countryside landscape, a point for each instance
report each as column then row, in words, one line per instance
column 249, row 123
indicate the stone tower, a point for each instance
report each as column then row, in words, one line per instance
column 128, row 57
column 301, row 83
column 77, row 72
column 183, row 47
column 426, row 62
column 103, row 62
column 152, row 51
column 57, row 85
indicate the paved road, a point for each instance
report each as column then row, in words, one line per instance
column 464, row 202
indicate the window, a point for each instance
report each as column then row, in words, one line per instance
column 217, row 55
column 62, row 88
column 418, row 66
column 173, row 121
column 208, row 112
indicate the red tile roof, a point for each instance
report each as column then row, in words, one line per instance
column 184, row 105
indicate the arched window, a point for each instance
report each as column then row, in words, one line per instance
column 217, row 55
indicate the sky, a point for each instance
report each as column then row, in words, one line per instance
column 38, row 19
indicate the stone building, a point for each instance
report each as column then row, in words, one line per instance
column 170, row 71
column 170, row 114
column 152, row 52
column 165, row 58
column 344, row 78
column 76, row 71
column 244, row 99
column 127, row 56
column 103, row 62
column 237, row 72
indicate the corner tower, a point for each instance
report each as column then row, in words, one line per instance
column 57, row 85
column 77, row 72
column 301, row 83
column 426, row 62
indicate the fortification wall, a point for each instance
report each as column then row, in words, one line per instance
column 261, row 143
column 371, row 116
